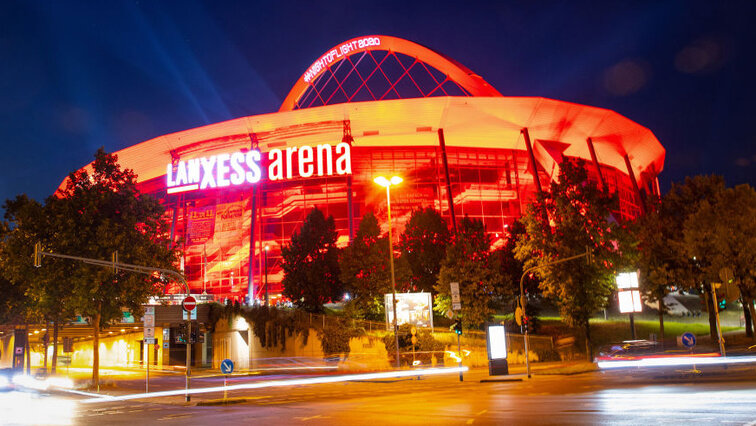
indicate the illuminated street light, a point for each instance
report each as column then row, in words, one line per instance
column 267, row 300
column 386, row 183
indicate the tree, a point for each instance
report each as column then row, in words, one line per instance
column 574, row 215
column 100, row 212
column 423, row 243
column 722, row 234
column 47, row 289
column 311, row 264
column 656, row 256
column 365, row 269
column 15, row 305
column 682, row 201
column 512, row 269
column 470, row 262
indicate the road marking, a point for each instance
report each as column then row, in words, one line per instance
column 174, row 416
column 471, row 421
column 481, row 412
column 304, row 419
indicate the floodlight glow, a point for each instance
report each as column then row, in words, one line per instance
column 385, row 182
column 676, row 361
column 281, row 383
column 382, row 181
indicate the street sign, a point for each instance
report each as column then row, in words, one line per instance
column 68, row 344
column 189, row 303
column 518, row 315
column 456, row 302
column 149, row 316
column 688, row 340
column 149, row 325
column 227, row 366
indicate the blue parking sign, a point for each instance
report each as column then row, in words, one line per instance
column 227, row 366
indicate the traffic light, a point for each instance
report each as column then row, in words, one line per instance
column 722, row 304
column 525, row 323
column 197, row 335
column 180, row 336
column 457, row 326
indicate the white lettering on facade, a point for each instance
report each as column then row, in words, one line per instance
column 342, row 50
column 224, row 170
column 207, row 172
column 305, row 161
column 275, row 169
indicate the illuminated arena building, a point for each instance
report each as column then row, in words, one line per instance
column 375, row 105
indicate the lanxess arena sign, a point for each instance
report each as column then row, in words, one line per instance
column 238, row 168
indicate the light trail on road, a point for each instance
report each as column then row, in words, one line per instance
column 676, row 361
column 280, row 383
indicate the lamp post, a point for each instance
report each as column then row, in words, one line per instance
column 266, row 275
column 386, row 183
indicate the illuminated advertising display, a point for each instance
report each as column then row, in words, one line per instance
column 628, row 294
column 222, row 170
column 411, row 308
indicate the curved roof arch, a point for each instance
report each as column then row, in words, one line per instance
column 377, row 67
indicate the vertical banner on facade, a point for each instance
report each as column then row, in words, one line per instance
column 201, row 225
column 228, row 217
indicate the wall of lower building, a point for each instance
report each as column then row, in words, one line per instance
column 235, row 340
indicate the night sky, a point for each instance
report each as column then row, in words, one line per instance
column 77, row 75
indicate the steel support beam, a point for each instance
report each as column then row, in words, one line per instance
column 531, row 155
column 597, row 165
column 630, row 173
column 449, row 196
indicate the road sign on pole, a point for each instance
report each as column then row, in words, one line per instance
column 227, row 366
column 688, row 340
column 189, row 303
column 456, row 302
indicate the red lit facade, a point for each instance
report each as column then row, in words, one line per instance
column 391, row 101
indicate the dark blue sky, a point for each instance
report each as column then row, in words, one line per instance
column 77, row 75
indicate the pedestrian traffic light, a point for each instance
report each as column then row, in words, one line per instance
column 457, row 326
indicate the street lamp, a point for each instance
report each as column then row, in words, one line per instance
column 386, row 183
column 266, row 276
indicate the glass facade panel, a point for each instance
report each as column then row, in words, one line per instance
column 215, row 227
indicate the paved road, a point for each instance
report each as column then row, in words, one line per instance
column 618, row 397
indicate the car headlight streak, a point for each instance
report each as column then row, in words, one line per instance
column 280, row 383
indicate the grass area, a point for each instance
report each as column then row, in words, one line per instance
column 610, row 331
column 577, row 368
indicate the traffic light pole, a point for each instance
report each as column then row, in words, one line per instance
column 459, row 351
column 148, row 270
column 587, row 255
column 188, row 354
column 716, row 314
